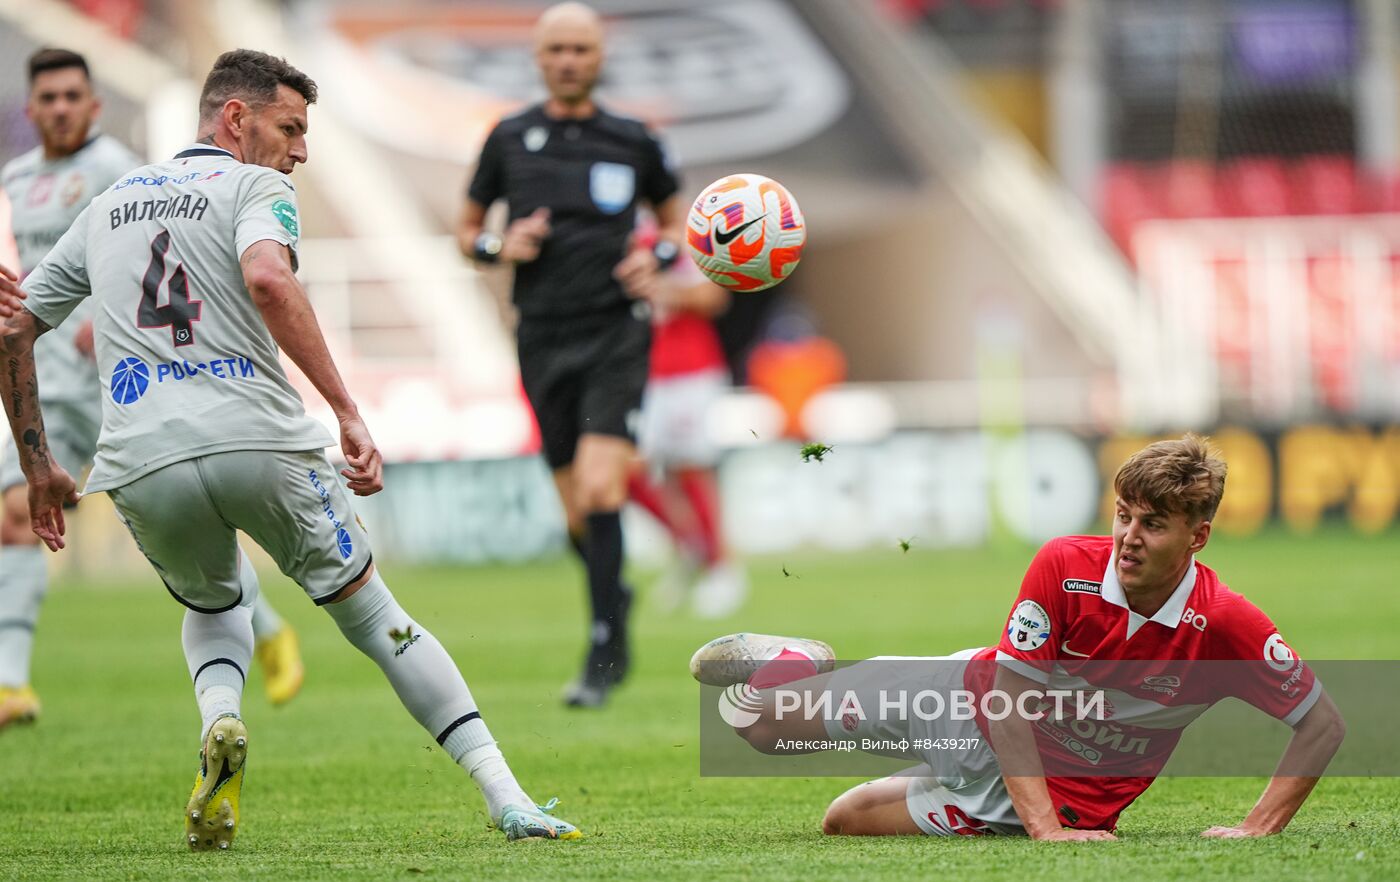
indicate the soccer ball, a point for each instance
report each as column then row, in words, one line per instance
column 746, row 232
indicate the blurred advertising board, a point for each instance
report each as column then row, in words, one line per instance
column 947, row 488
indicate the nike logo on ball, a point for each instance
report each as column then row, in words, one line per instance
column 724, row 237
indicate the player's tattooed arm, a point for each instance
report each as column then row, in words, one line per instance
column 20, row 387
column 50, row 487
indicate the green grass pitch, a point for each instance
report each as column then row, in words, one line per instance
column 342, row 784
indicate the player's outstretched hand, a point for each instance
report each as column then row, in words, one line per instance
column 521, row 243
column 1233, row 833
column 11, row 297
column 365, row 476
column 48, row 493
column 1065, row 834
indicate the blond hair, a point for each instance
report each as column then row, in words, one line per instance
column 1182, row 475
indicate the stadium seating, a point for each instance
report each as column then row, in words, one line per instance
column 1253, row 186
column 1189, row 189
column 1326, row 185
column 1241, row 319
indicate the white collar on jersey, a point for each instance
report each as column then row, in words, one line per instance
column 1171, row 612
column 202, row 150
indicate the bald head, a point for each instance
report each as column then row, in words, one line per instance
column 570, row 18
column 569, row 52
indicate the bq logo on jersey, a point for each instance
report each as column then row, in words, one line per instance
column 612, row 184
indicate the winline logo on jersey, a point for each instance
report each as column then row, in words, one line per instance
column 131, row 378
column 1088, row 718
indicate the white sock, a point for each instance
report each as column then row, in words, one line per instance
column 266, row 621
column 430, row 687
column 24, row 577
column 218, row 650
column 473, row 748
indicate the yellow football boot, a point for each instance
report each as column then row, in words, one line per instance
column 211, row 815
column 18, row 704
column 280, row 659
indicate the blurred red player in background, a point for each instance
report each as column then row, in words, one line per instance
column 674, row 478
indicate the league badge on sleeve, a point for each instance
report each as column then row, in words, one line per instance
column 1029, row 626
column 286, row 214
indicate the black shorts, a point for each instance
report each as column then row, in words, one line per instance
column 584, row 374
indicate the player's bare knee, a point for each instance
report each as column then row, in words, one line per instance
column 599, row 492
column 848, row 813
column 832, row 821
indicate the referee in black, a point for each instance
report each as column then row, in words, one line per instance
column 573, row 175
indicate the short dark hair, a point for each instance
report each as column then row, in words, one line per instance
column 46, row 60
column 253, row 77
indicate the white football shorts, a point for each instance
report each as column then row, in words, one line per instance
column 675, row 429
column 184, row 518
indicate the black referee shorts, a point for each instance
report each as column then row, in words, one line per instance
column 584, row 374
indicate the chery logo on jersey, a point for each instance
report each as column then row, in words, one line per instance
column 1029, row 627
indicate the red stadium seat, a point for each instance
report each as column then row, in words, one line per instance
column 1189, row 190
column 1380, row 191
column 1330, row 330
column 1390, row 347
column 1255, row 186
column 911, row 10
column 1233, row 340
column 1127, row 199
column 1325, row 185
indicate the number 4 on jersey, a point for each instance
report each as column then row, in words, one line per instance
column 180, row 312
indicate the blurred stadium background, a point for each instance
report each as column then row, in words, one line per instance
column 1041, row 230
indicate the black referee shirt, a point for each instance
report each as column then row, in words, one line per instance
column 589, row 173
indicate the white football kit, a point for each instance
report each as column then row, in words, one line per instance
column 191, row 380
column 46, row 197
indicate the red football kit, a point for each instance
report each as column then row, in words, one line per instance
column 1071, row 628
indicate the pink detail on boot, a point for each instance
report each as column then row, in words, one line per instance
column 785, row 667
